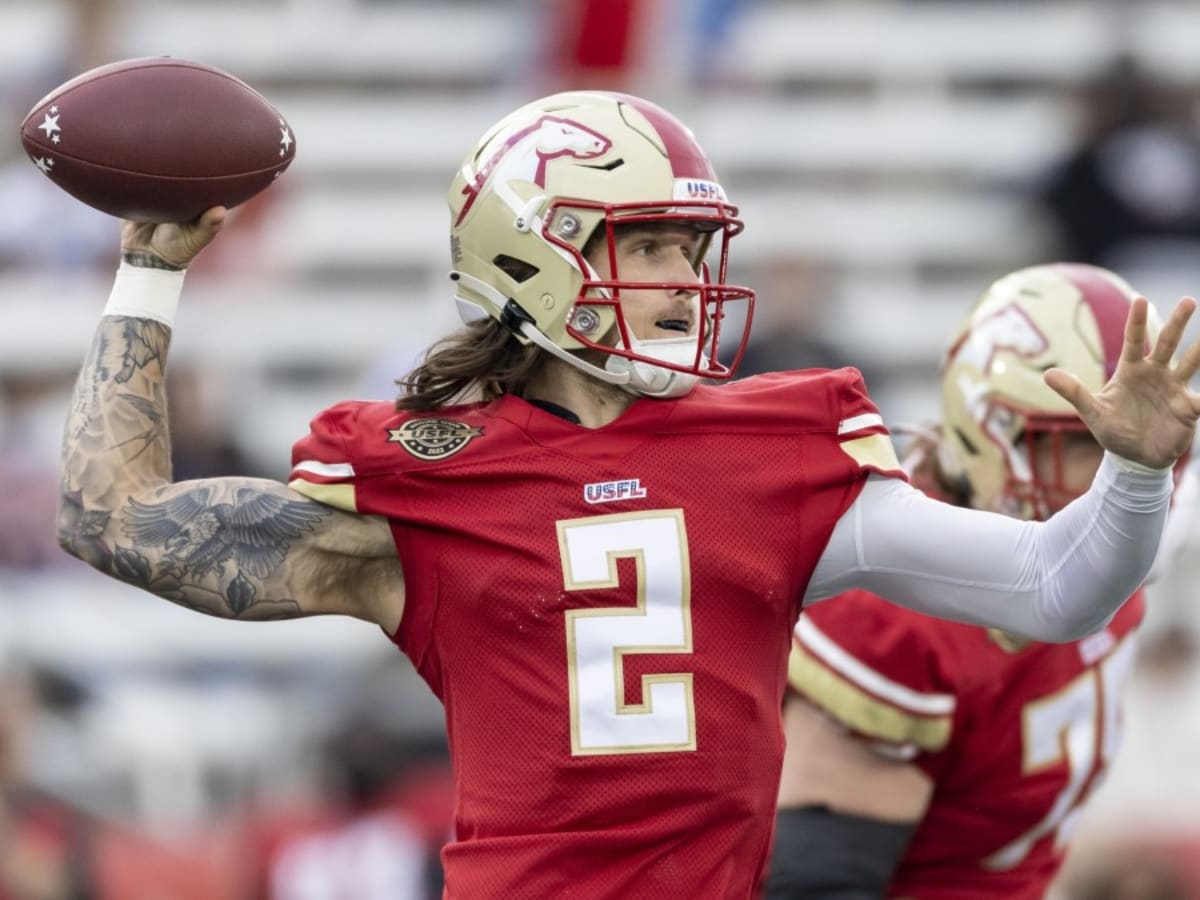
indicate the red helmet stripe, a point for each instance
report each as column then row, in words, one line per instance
column 1109, row 305
column 687, row 159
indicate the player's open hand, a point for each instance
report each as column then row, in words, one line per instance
column 174, row 243
column 1147, row 412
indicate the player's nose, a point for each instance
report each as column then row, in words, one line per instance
column 683, row 274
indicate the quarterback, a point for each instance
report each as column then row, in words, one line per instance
column 594, row 559
column 936, row 760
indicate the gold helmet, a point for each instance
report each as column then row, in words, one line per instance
column 549, row 177
column 994, row 401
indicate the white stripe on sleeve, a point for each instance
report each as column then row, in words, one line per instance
column 325, row 470
column 881, row 686
column 858, row 423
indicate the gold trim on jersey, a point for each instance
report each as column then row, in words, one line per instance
column 874, row 450
column 570, row 583
column 859, row 711
column 1007, row 641
column 339, row 496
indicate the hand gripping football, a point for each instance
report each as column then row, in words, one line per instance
column 158, row 139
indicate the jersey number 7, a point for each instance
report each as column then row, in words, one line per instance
column 1082, row 724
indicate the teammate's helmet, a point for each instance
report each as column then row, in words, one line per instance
column 995, row 404
column 544, row 180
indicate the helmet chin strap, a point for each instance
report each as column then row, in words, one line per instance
column 636, row 377
column 470, row 310
column 640, row 378
column 656, row 381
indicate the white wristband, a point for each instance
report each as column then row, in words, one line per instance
column 145, row 293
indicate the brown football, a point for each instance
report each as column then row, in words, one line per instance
column 158, row 139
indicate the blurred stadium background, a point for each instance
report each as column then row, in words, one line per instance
column 890, row 159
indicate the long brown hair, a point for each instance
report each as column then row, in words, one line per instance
column 485, row 360
column 480, row 362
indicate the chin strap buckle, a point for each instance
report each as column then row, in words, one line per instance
column 513, row 317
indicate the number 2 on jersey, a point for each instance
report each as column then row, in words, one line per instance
column 598, row 639
column 1081, row 723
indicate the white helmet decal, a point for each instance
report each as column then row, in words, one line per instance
column 525, row 154
column 1007, row 330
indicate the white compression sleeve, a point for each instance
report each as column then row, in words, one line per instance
column 1052, row 581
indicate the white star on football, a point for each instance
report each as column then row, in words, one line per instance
column 50, row 124
column 44, row 163
column 285, row 140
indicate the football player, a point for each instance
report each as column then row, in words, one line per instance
column 934, row 759
column 594, row 560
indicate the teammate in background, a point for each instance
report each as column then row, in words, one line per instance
column 934, row 759
column 593, row 559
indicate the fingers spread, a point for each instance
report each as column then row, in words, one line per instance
column 1134, row 348
column 1072, row 390
column 1172, row 331
column 1189, row 362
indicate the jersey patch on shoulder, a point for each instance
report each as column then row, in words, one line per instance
column 433, row 438
column 863, row 700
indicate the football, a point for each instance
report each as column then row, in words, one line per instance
column 158, row 139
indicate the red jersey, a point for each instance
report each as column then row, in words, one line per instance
column 1014, row 734
column 606, row 616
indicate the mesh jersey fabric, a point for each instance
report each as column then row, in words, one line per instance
column 611, row 660
column 1015, row 734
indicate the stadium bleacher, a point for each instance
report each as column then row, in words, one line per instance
column 897, row 144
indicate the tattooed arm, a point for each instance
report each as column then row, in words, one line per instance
column 230, row 547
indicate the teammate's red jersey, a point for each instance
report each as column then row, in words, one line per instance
column 606, row 616
column 1014, row 734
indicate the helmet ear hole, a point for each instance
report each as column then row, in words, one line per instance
column 516, row 269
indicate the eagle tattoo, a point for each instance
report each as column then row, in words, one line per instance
column 255, row 530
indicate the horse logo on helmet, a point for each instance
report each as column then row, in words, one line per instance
column 523, row 157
